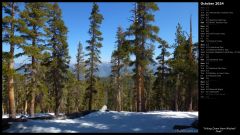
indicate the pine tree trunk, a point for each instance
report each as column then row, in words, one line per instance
column 91, row 78
column 58, row 100
column 142, row 69
column 163, row 82
column 90, row 101
column 118, row 86
column 106, row 96
column 191, row 64
column 32, row 103
column 190, row 108
column 78, row 72
column 2, row 110
column 142, row 94
column 131, row 99
column 138, row 87
column 12, row 109
column 176, row 103
column 68, row 102
column 118, row 95
column 119, row 100
column 56, row 111
column 34, row 71
column 190, row 105
column 176, row 93
column 25, row 107
column 140, row 90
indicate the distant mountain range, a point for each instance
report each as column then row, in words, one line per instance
column 104, row 68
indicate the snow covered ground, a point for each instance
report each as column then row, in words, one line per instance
column 35, row 115
column 112, row 121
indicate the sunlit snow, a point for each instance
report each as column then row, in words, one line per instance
column 112, row 121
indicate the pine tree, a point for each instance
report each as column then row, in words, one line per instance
column 10, row 26
column 180, row 56
column 35, row 16
column 70, row 93
column 143, row 31
column 80, row 65
column 160, row 82
column 19, row 87
column 192, row 71
column 80, row 73
column 184, row 69
column 93, row 49
column 59, row 59
column 149, row 81
column 119, row 58
column 5, row 102
column 180, row 68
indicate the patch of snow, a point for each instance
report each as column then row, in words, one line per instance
column 17, row 116
column 112, row 121
column 5, row 116
column 136, row 129
column 35, row 115
column 116, row 117
column 84, row 124
column 41, row 115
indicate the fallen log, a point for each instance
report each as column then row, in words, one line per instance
column 13, row 120
column 42, row 118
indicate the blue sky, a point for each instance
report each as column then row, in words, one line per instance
column 76, row 14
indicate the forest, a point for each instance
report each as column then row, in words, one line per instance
column 46, row 83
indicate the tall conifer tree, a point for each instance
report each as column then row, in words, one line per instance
column 59, row 59
column 80, row 65
column 10, row 26
column 93, row 49
column 143, row 31
column 35, row 16
column 119, row 58
column 160, row 82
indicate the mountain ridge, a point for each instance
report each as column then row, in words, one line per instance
column 104, row 68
